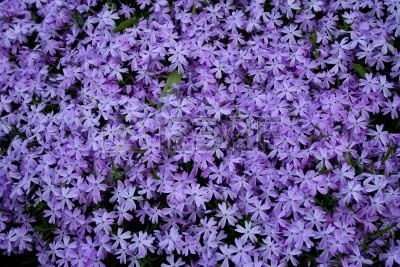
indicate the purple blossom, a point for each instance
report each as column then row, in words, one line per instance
column 278, row 143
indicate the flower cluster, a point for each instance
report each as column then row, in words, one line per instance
column 200, row 133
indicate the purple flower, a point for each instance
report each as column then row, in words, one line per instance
column 172, row 263
column 248, row 232
column 282, row 131
column 142, row 243
column 241, row 251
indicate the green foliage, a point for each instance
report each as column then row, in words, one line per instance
column 78, row 19
column 150, row 103
column 174, row 78
column 342, row 25
column 369, row 238
column 313, row 40
column 125, row 24
column 131, row 21
column 390, row 125
column 41, row 225
column 151, row 260
column 308, row 258
column 36, row 100
column 326, row 202
column 324, row 170
column 187, row 166
column 212, row 204
column 353, row 163
column 388, row 153
column 267, row 6
column 6, row 140
column 154, row 175
column 194, row 11
column 360, row 70
column 116, row 172
column 49, row 108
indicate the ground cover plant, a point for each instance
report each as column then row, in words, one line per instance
column 200, row 133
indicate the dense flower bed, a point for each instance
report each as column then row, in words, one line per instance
column 201, row 133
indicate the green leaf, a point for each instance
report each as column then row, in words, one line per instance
column 55, row 108
column 374, row 236
column 40, row 206
column 325, row 170
column 78, row 19
column 174, row 78
column 149, row 103
column 388, row 153
column 325, row 201
column 155, row 176
column 114, row 173
column 313, row 40
column 44, row 229
column 360, row 70
column 194, row 11
column 368, row 68
column 125, row 24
